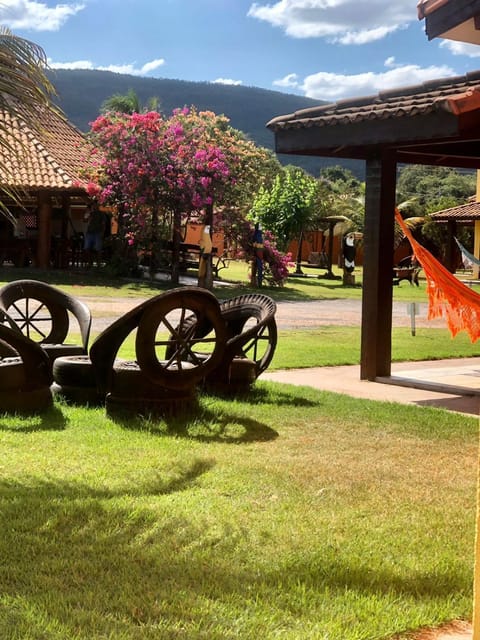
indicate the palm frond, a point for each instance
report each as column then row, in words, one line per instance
column 24, row 90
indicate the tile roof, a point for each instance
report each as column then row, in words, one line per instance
column 426, row 7
column 49, row 157
column 469, row 211
column 455, row 95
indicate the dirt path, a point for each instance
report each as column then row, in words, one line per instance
column 290, row 315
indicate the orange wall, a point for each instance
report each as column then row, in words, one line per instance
column 314, row 242
column 194, row 233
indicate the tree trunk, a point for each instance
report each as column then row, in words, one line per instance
column 206, row 280
column 153, row 245
column 176, row 241
column 298, row 270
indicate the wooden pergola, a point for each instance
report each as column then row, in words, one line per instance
column 435, row 123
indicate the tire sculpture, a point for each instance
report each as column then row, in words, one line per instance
column 251, row 332
column 43, row 313
column 170, row 361
column 24, row 378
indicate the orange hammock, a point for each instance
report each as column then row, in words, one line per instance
column 447, row 297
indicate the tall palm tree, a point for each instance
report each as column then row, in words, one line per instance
column 24, row 86
column 129, row 103
column 24, row 90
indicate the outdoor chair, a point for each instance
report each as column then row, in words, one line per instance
column 44, row 314
column 407, row 269
column 154, row 383
column 25, row 374
column 251, row 333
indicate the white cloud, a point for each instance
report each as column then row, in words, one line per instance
column 152, row 66
column 36, row 16
column 289, row 81
column 461, row 48
column 129, row 68
column 227, row 81
column 390, row 62
column 332, row 86
column 78, row 64
column 341, row 21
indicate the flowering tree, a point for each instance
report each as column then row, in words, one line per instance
column 157, row 171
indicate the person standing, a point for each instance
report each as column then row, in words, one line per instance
column 205, row 263
column 95, row 230
column 258, row 251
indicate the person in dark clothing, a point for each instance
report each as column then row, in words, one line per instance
column 94, row 233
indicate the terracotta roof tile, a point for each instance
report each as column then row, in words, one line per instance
column 428, row 97
column 469, row 211
column 426, row 7
column 50, row 157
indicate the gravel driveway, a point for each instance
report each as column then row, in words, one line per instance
column 290, row 315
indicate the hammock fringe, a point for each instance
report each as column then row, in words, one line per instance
column 447, row 297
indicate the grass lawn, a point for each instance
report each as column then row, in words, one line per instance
column 299, row 514
column 295, row 515
column 234, row 281
column 326, row 345
column 338, row 345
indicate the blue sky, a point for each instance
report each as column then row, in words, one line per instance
column 325, row 49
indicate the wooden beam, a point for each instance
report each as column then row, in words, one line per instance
column 359, row 138
column 451, row 246
column 376, row 344
column 44, row 229
column 450, row 16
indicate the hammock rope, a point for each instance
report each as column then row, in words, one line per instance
column 447, row 297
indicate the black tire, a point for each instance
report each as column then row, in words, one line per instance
column 165, row 403
column 55, row 351
column 261, row 347
column 128, row 380
column 74, row 371
column 78, row 395
column 240, row 376
column 26, row 402
column 12, row 374
column 180, row 345
column 39, row 320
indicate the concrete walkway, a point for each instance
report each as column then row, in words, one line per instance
column 448, row 384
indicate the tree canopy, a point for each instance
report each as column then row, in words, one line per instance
column 157, row 171
column 428, row 189
column 129, row 103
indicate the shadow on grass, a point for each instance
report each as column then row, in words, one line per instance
column 80, row 277
column 203, row 425
column 311, row 287
column 269, row 393
column 105, row 569
column 51, row 420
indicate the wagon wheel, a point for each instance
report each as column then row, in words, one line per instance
column 41, row 321
column 261, row 346
column 168, row 348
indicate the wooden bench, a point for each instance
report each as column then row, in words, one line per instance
column 190, row 258
column 406, row 273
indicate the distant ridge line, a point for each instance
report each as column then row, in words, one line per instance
column 81, row 93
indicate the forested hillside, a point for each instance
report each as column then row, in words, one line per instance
column 82, row 92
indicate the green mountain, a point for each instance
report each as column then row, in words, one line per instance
column 82, row 92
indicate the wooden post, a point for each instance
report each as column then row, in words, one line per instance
column 44, row 229
column 476, row 236
column 207, row 280
column 376, row 344
column 451, row 246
